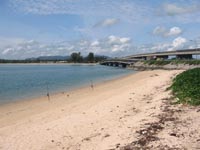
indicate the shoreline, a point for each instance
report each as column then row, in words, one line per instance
column 64, row 83
column 49, row 64
column 72, row 89
column 106, row 117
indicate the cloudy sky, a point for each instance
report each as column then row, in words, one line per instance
column 31, row 28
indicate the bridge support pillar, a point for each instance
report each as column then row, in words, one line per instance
column 162, row 57
column 116, row 64
column 124, row 65
column 110, row 64
column 186, row 56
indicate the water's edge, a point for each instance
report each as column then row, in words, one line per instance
column 57, row 86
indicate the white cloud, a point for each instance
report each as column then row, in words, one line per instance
column 162, row 31
column 125, row 40
column 7, row 50
column 95, row 43
column 178, row 9
column 174, row 31
column 107, row 22
column 111, row 46
column 114, row 39
column 126, row 10
column 5, row 41
column 159, row 31
column 178, row 42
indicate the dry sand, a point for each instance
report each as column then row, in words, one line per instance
column 127, row 113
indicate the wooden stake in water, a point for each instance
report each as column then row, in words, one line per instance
column 92, row 86
column 48, row 95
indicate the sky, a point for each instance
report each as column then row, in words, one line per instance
column 32, row 28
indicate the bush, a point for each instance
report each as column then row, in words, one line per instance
column 157, row 62
column 186, row 87
column 173, row 62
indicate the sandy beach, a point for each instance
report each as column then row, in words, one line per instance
column 116, row 114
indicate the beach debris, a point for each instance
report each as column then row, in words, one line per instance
column 154, row 75
column 117, row 145
column 58, row 143
column 106, row 135
column 149, row 132
column 91, row 136
column 173, row 134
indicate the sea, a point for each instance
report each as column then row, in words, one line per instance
column 28, row 81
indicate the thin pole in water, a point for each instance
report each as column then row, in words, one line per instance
column 92, row 86
column 48, row 95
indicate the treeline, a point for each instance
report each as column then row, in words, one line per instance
column 73, row 58
column 18, row 61
column 90, row 58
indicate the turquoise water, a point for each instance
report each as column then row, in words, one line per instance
column 29, row 81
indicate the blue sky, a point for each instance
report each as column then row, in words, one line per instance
column 32, row 28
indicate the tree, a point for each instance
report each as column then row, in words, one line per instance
column 90, row 57
column 76, row 57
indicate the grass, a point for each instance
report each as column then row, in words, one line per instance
column 186, row 87
column 173, row 62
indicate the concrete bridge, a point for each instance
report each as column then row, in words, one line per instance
column 119, row 62
column 180, row 54
column 129, row 60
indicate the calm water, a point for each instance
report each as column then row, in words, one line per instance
column 29, row 81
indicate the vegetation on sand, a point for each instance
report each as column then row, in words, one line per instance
column 173, row 62
column 186, row 87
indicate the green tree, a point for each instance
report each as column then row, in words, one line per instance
column 76, row 57
column 90, row 57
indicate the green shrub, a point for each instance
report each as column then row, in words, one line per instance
column 157, row 62
column 186, row 87
column 173, row 62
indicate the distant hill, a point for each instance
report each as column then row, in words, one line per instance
column 59, row 58
column 39, row 59
column 50, row 58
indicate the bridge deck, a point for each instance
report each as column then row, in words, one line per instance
column 166, row 53
column 129, row 60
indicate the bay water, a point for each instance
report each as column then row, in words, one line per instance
column 27, row 81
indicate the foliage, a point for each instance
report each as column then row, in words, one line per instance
column 173, row 62
column 186, row 87
column 157, row 62
column 76, row 57
column 90, row 57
